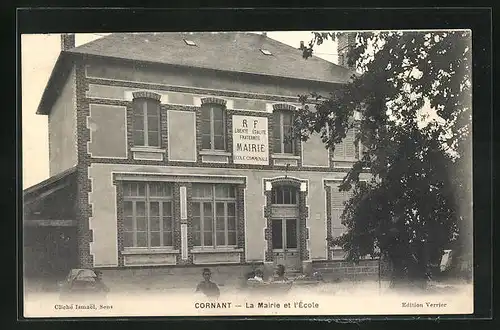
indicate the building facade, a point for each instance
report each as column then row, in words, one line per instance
column 176, row 152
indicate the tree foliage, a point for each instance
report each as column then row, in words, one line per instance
column 413, row 93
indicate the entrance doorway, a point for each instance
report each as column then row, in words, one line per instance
column 285, row 243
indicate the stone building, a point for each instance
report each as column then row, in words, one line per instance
column 171, row 151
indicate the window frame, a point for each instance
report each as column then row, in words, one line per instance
column 199, row 202
column 293, row 191
column 211, row 107
column 145, row 118
column 147, row 199
column 293, row 142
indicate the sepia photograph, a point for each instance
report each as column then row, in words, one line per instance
column 247, row 173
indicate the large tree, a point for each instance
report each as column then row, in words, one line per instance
column 411, row 94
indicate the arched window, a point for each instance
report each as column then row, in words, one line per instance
column 284, row 141
column 213, row 125
column 284, row 195
column 146, row 119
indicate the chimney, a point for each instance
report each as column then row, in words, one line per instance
column 302, row 45
column 67, row 41
column 346, row 41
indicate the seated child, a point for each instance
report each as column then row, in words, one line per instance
column 99, row 284
column 279, row 274
column 259, row 276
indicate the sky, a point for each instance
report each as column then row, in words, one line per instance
column 39, row 53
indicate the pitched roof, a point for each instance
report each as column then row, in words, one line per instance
column 226, row 51
column 47, row 183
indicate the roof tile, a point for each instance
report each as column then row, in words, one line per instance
column 226, row 51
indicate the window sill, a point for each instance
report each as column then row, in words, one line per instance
column 345, row 159
column 149, row 251
column 285, row 156
column 148, row 153
column 147, row 149
column 214, row 153
column 215, row 250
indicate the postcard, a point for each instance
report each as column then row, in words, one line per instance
column 247, row 173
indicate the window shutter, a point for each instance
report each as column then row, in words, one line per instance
column 350, row 148
column 337, row 204
column 337, row 198
column 337, row 227
column 338, row 153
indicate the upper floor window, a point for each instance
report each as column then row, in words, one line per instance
column 213, row 127
column 214, row 215
column 146, row 119
column 148, row 214
column 284, row 141
column 284, row 195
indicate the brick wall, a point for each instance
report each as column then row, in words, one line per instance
column 303, row 231
column 84, row 211
column 119, row 220
column 177, row 219
column 345, row 42
column 268, row 234
column 240, row 209
column 190, row 238
column 345, row 270
column 328, row 190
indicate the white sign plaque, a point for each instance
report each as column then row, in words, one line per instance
column 250, row 140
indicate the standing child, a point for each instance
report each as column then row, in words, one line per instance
column 207, row 287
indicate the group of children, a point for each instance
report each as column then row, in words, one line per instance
column 258, row 275
column 210, row 289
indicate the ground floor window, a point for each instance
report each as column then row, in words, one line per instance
column 214, row 215
column 148, row 215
